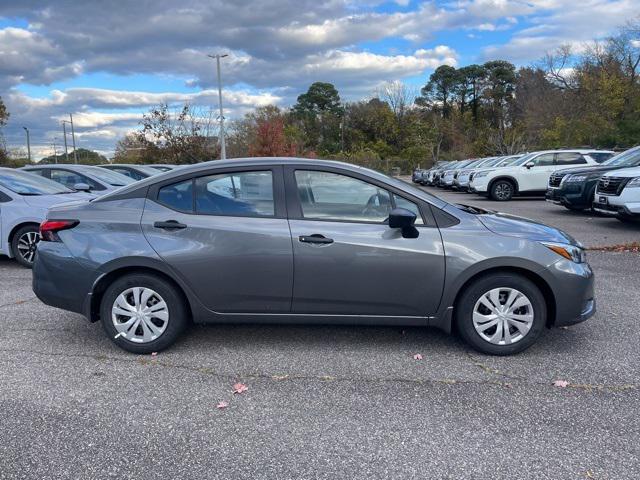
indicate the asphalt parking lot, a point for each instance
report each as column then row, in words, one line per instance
column 327, row 402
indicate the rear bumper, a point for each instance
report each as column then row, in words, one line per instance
column 59, row 280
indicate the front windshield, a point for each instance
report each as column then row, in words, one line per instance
column 148, row 170
column 509, row 161
column 628, row 158
column 112, row 178
column 524, row 159
column 24, row 183
column 493, row 162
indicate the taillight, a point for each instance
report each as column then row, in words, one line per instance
column 49, row 229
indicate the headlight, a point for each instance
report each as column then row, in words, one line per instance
column 633, row 183
column 482, row 174
column 575, row 178
column 570, row 252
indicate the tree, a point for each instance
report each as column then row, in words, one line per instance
column 319, row 113
column 471, row 78
column 85, row 157
column 4, row 117
column 269, row 138
column 440, row 89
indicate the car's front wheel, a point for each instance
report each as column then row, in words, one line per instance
column 143, row 313
column 502, row 190
column 501, row 314
column 24, row 244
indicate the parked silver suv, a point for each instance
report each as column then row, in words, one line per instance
column 311, row 241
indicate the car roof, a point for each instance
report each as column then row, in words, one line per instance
column 579, row 150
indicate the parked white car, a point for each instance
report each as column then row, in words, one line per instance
column 530, row 174
column 24, row 201
column 618, row 193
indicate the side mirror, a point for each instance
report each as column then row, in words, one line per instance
column 403, row 219
column 82, row 187
column 529, row 165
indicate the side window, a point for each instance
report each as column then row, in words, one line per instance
column 570, row 158
column 38, row 171
column 69, row 179
column 409, row 205
column 128, row 173
column 544, row 160
column 331, row 196
column 178, row 196
column 246, row 194
column 4, row 198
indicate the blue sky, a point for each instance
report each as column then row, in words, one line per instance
column 108, row 72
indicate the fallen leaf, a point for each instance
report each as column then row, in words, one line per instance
column 222, row 404
column 560, row 383
column 154, row 354
column 240, row 388
column 417, row 356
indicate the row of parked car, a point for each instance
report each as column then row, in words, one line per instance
column 578, row 179
column 27, row 193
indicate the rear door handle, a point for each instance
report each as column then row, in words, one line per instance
column 315, row 238
column 170, row 225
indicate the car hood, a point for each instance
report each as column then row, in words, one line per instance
column 46, row 201
column 589, row 169
column 627, row 172
column 520, row 227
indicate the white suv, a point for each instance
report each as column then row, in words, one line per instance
column 530, row 174
column 618, row 193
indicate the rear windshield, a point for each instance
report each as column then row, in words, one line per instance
column 107, row 176
column 25, row 183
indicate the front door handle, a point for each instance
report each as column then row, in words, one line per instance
column 315, row 238
column 170, row 225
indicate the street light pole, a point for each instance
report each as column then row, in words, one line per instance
column 64, row 133
column 223, row 149
column 28, row 144
column 55, row 152
column 73, row 139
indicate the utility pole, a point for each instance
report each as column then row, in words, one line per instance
column 223, row 150
column 73, row 139
column 28, row 144
column 55, row 152
column 64, row 133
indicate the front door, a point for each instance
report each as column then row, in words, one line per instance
column 536, row 178
column 347, row 261
column 227, row 236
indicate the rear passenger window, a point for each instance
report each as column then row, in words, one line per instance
column 246, row 194
column 178, row 196
column 570, row 158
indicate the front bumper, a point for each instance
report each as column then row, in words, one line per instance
column 627, row 203
column 573, row 289
column 561, row 196
column 478, row 187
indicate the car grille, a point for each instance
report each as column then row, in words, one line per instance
column 555, row 179
column 612, row 185
column 471, row 176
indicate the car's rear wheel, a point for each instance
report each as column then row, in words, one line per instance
column 502, row 190
column 24, row 244
column 501, row 314
column 143, row 313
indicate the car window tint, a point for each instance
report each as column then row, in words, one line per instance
column 543, row 160
column 178, row 196
column 238, row 194
column 409, row 205
column 570, row 158
column 331, row 196
column 70, row 179
column 4, row 198
column 601, row 157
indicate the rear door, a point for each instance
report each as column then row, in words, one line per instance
column 347, row 261
column 226, row 234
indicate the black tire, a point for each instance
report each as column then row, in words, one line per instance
column 464, row 310
column 503, row 190
column 177, row 311
column 24, row 257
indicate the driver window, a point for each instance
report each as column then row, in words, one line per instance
column 544, row 160
column 331, row 196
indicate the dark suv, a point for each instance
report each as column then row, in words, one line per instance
column 574, row 188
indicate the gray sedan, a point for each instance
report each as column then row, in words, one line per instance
column 310, row 241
